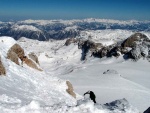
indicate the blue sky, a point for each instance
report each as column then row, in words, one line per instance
column 74, row 9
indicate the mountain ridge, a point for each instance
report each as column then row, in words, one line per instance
column 44, row 30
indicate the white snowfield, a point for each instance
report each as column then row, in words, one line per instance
column 25, row 90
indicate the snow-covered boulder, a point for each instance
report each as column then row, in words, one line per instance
column 117, row 106
column 136, row 53
column 139, row 51
column 120, row 106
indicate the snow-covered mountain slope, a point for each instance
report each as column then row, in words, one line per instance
column 110, row 78
column 26, row 90
column 22, row 85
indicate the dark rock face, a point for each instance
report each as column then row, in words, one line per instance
column 85, row 47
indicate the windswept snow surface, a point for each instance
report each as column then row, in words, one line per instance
column 123, row 78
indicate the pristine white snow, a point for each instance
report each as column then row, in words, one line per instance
column 25, row 90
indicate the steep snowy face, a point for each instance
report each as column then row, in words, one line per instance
column 22, row 84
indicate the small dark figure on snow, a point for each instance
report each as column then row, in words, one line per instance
column 92, row 95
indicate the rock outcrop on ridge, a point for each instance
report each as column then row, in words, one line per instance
column 135, row 47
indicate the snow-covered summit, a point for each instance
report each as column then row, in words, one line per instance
column 24, row 28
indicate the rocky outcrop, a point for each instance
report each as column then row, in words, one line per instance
column 71, row 40
column 135, row 47
column 70, row 89
column 13, row 57
column 15, row 52
column 2, row 68
column 30, row 63
column 34, row 57
column 135, row 39
column 139, row 44
column 16, row 48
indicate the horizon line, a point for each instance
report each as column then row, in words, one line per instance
column 13, row 20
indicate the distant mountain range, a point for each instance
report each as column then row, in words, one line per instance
column 60, row 29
